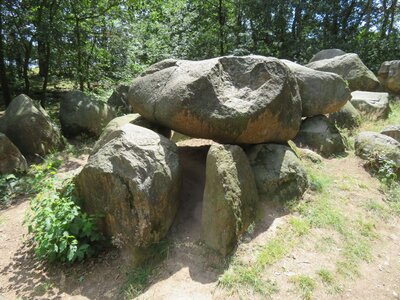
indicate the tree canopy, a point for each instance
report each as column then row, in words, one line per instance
column 90, row 41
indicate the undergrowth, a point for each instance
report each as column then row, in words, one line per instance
column 59, row 228
column 354, row 236
column 139, row 278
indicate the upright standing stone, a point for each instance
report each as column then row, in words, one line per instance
column 230, row 197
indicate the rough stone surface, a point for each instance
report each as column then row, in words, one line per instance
column 321, row 92
column 389, row 75
column 310, row 155
column 393, row 131
column 347, row 117
column 248, row 99
column 372, row 145
column 30, row 128
column 351, row 68
column 11, row 159
column 230, row 196
column 81, row 114
column 278, row 172
column 327, row 54
column 134, row 181
column 320, row 135
column 2, row 124
column 134, row 119
column 372, row 105
column 119, row 99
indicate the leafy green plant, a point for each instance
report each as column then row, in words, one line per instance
column 61, row 231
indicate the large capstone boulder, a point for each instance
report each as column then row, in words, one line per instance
column 351, row 68
column 321, row 92
column 393, row 131
column 30, row 128
column 11, row 159
column 327, row 54
column 378, row 150
column 134, row 119
column 389, row 75
column 279, row 173
column 320, row 135
column 347, row 117
column 250, row 99
column 133, row 180
column 119, row 99
column 80, row 113
column 372, row 105
column 230, row 197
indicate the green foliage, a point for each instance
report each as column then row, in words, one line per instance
column 14, row 185
column 60, row 230
column 95, row 43
column 244, row 280
column 326, row 276
column 305, row 285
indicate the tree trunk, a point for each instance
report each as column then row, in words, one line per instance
column 385, row 19
column 221, row 20
column 3, row 74
column 393, row 8
column 27, row 57
column 79, row 68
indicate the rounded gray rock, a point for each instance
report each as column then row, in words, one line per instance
column 393, row 131
column 347, row 117
column 250, row 99
column 389, row 75
column 80, row 113
column 320, row 135
column 321, row 92
column 11, row 159
column 133, row 181
column 376, row 147
column 30, row 128
column 351, row 68
column 327, row 54
column 278, row 172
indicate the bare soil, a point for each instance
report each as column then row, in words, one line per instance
column 191, row 270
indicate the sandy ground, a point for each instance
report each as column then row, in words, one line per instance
column 191, row 271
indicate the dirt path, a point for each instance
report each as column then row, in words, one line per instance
column 191, row 271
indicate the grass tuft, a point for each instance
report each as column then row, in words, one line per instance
column 305, row 285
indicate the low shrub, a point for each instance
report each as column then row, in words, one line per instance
column 60, row 230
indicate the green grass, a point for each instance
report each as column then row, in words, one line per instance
column 139, row 278
column 245, row 280
column 377, row 126
column 376, row 208
column 325, row 244
column 367, row 228
column 327, row 277
column 305, row 285
column 300, row 226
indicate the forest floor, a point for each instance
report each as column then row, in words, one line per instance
column 342, row 241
